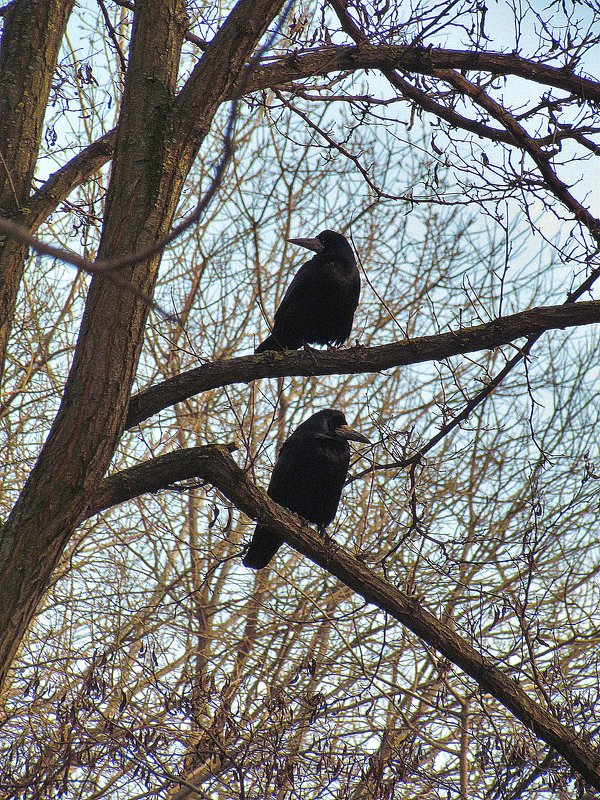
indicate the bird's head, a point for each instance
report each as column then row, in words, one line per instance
column 330, row 422
column 330, row 243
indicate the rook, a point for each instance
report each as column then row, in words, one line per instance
column 307, row 478
column 319, row 304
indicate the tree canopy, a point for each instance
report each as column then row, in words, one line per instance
column 442, row 639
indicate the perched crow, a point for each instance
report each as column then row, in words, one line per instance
column 319, row 304
column 307, row 477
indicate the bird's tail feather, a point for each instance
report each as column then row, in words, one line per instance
column 262, row 548
column 270, row 343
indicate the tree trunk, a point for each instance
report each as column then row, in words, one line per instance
column 157, row 141
column 33, row 31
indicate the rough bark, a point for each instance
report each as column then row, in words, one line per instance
column 157, row 141
column 155, row 475
column 33, row 31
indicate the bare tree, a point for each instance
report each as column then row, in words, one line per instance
column 444, row 640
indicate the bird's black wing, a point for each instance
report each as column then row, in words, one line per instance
column 320, row 278
column 309, row 475
column 300, row 290
column 289, row 320
column 307, row 478
column 265, row 544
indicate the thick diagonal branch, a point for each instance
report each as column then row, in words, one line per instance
column 216, row 466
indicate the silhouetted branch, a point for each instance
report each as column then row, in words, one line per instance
column 359, row 359
column 154, row 475
column 283, row 71
column 443, row 64
column 539, row 156
column 215, row 465
column 21, row 234
column 420, row 60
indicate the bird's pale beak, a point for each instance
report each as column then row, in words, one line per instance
column 316, row 245
column 349, row 433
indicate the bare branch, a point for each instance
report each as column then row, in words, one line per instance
column 62, row 182
column 113, row 37
column 281, row 72
column 21, row 234
column 359, row 359
column 215, row 464
column 420, row 60
column 541, row 159
column 154, row 475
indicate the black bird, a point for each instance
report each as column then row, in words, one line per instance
column 319, row 304
column 307, row 478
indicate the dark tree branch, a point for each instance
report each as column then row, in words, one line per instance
column 443, row 64
column 62, row 182
column 152, row 476
column 420, row 60
column 359, row 359
column 462, row 416
column 527, row 143
column 415, row 58
column 112, row 35
column 325, row 60
column 215, row 465
column 20, row 233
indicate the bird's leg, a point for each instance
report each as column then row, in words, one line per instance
column 311, row 351
column 327, row 541
column 323, row 533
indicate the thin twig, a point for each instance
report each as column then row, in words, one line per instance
column 113, row 36
column 20, row 233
